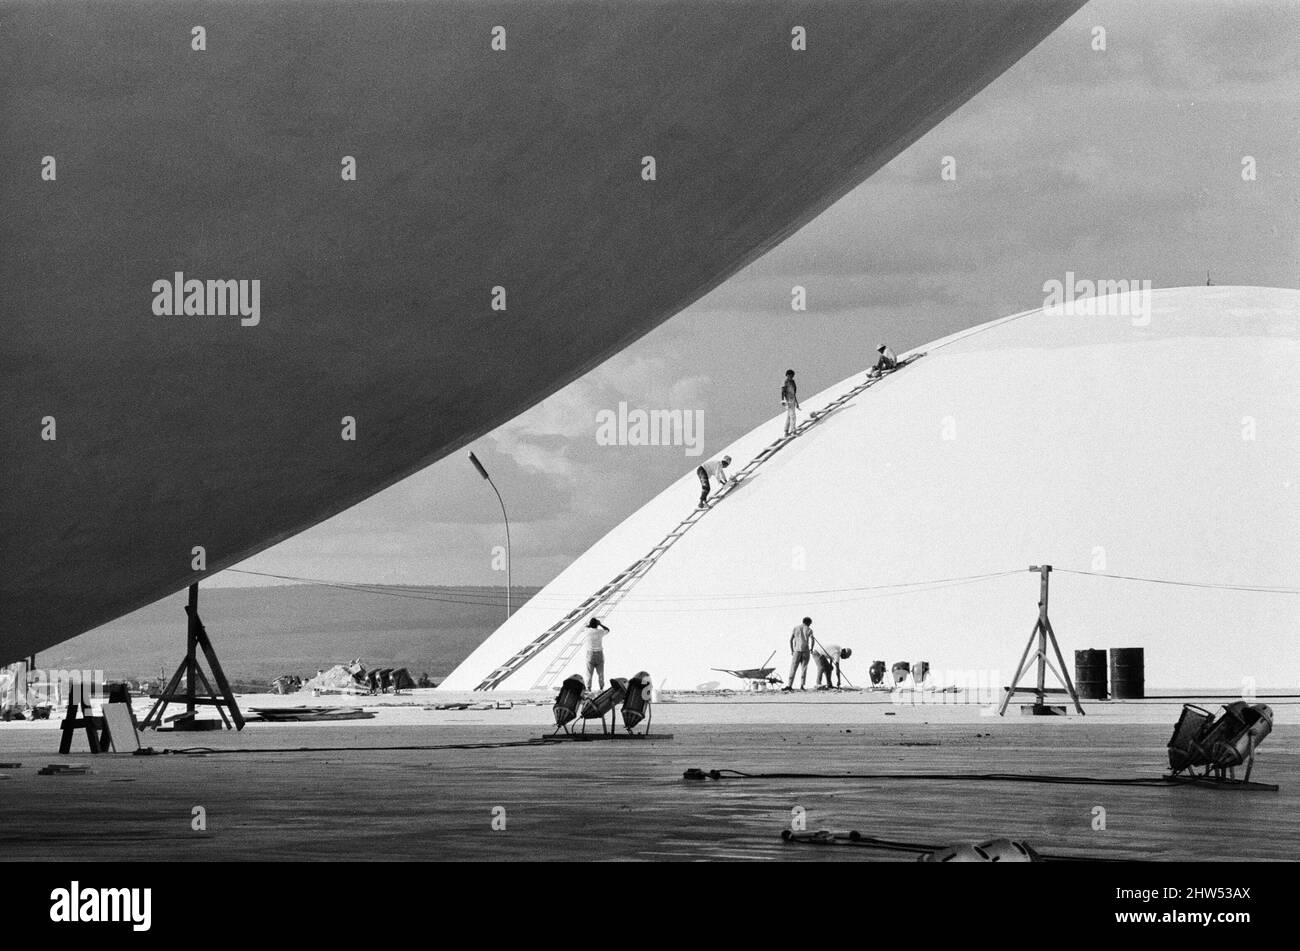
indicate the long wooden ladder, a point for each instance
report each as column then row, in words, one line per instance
column 618, row 586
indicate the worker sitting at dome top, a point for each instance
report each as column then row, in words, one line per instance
column 888, row 361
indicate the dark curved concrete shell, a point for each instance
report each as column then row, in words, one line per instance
column 476, row 168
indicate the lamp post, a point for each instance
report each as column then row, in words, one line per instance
column 483, row 472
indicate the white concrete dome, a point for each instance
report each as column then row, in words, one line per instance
column 1162, row 448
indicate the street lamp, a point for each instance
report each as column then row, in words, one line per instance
column 483, row 472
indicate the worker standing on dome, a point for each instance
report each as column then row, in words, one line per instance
column 595, row 638
column 888, row 361
column 801, row 645
column 717, row 470
column 790, row 397
column 828, row 657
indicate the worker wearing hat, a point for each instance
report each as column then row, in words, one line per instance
column 888, row 361
column 717, row 470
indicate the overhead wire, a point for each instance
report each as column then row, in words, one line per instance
column 491, row 601
column 379, row 589
column 1260, row 589
column 770, row 599
column 813, row 591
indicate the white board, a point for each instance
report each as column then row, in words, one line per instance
column 122, row 737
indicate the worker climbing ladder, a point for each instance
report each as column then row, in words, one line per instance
column 618, row 587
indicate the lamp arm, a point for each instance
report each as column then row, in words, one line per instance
column 506, row 519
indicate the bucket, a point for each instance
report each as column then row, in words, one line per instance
column 605, row 701
column 1185, row 746
column 636, row 701
column 1242, row 727
column 1127, row 673
column 568, row 699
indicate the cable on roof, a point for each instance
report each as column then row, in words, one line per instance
column 1155, row 782
column 210, row 751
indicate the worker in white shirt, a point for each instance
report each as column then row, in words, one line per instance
column 596, row 632
column 716, row 470
column 828, row 657
column 888, row 361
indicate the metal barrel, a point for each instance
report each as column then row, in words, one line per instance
column 1127, row 673
column 1090, row 674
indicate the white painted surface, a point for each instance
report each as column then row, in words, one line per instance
column 1072, row 434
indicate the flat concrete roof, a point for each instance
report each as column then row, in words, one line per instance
column 397, row 787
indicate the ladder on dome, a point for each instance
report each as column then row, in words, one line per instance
column 618, row 586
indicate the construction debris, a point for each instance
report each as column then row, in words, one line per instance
column 286, row 683
column 310, row 714
column 354, row 678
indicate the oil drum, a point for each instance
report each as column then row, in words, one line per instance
column 1127, row 673
column 1090, row 674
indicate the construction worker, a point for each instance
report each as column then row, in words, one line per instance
column 790, row 398
column 596, row 632
column 888, row 361
column 717, row 470
column 801, row 644
column 828, row 657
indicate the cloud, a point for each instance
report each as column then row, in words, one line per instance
column 558, row 436
column 1213, row 48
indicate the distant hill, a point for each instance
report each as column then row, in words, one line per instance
column 260, row 633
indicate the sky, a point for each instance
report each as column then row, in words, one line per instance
column 1119, row 163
